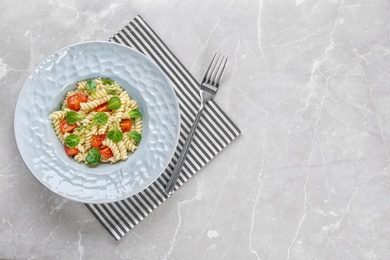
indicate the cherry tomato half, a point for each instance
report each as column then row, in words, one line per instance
column 106, row 152
column 75, row 100
column 102, row 108
column 71, row 151
column 65, row 127
column 97, row 140
column 125, row 125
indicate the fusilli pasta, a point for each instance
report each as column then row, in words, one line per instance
column 95, row 124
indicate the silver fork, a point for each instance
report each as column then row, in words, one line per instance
column 208, row 89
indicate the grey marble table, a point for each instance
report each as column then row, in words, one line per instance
column 308, row 84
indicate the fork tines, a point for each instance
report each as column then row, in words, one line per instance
column 215, row 71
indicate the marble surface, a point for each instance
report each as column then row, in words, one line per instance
column 308, row 84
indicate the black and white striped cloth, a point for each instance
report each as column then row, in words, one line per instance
column 214, row 132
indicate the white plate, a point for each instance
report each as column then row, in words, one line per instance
column 42, row 93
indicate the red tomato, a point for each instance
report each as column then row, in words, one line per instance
column 97, row 140
column 106, row 152
column 125, row 125
column 65, row 127
column 102, row 108
column 75, row 100
column 71, row 151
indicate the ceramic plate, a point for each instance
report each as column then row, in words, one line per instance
column 46, row 87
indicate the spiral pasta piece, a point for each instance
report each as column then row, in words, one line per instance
column 124, row 97
column 122, row 151
column 81, row 86
column 97, row 94
column 57, row 115
column 88, row 137
column 88, row 106
column 109, row 160
column 137, row 125
column 114, row 148
column 129, row 144
column 132, row 104
column 118, row 115
column 88, row 119
column 81, row 147
column 57, row 129
column 80, row 157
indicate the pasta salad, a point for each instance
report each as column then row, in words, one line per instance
column 98, row 122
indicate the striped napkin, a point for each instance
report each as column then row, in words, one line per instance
column 215, row 131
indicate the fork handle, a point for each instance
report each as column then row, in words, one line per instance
column 176, row 171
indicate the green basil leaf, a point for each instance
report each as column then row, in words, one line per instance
column 134, row 114
column 135, row 136
column 107, row 81
column 80, row 128
column 100, row 118
column 114, row 103
column 52, row 125
column 115, row 135
column 93, row 156
column 111, row 91
column 72, row 117
column 91, row 86
column 72, row 140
